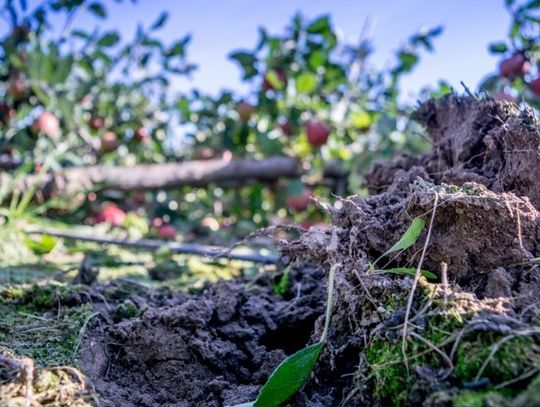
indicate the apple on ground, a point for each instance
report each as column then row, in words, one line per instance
column 166, row 231
column 317, row 133
column 109, row 141
column 205, row 153
column 112, row 214
column 46, row 123
column 299, row 201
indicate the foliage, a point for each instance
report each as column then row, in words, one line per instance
column 523, row 39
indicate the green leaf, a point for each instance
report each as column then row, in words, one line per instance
column 306, row 82
column 247, row 61
column 409, row 237
column 289, row 377
column 533, row 4
column 274, row 79
column 281, row 287
column 98, row 9
column 410, row 272
column 160, row 22
column 498, row 48
column 43, row 245
column 109, row 39
column 320, row 25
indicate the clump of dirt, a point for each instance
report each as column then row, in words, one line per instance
column 212, row 349
column 484, row 141
column 21, row 384
column 475, row 333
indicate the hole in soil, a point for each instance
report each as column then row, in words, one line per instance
column 290, row 338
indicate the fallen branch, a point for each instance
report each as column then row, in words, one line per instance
column 153, row 244
column 73, row 180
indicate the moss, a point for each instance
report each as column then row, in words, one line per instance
column 43, row 322
column 391, row 382
column 510, row 360
column 125, row 310
column 472, row 398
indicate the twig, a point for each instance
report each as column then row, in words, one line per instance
column 329, row 301
column 81, row 332
column 154, row 244
column 415, row 283
column 444, row 282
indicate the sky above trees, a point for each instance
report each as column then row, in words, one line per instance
column 218, row 27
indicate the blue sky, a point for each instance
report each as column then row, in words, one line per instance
column 218, row 27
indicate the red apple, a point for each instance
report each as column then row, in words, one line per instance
column 96, row 122
column 205, row 153
column 111, row 214
column 17, row 86
column 141, row 135
column 6, row 113
column 516, row 66
column 287, row 128
column 300, row 202
column 46, row 123
column 535, row 86
column 317, row 133
column 280, row 73
column 109, row 141
column 501, row 96
column 166, row 231
column 245, row 110
column 139, row 198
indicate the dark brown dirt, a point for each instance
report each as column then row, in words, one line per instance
column 488, row 142
column 212, row 349
column 219, row 347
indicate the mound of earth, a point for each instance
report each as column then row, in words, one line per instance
column 469, row 337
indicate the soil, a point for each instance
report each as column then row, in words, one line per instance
column 218, row 347
column 212, row 349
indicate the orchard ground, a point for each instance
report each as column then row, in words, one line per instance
column 185, row 338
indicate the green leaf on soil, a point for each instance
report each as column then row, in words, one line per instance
column 43, row 245
column 410, row 272
column 289, row 377
column 409, row 237
column 281, row 287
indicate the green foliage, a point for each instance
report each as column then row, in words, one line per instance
column 409, row 238
column 42, row 245
column 522, row 40
column 288, row 377
column 410, row 272
column 283, row 284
